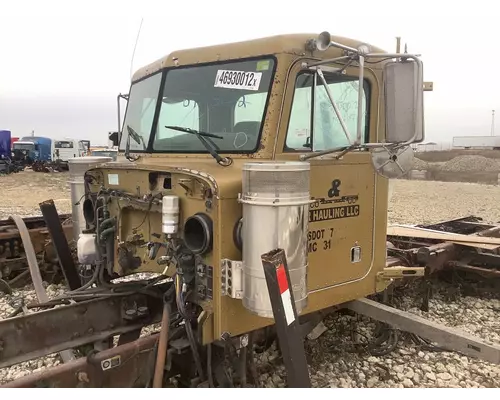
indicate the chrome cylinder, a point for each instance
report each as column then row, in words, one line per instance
column 77, row 168
column 275, row 200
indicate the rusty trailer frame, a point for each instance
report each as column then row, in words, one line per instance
column 439, row 254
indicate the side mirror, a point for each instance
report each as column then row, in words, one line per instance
column 404, row 104
column 113, row 137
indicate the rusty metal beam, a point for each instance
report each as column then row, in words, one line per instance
column 60, row 243
column 437, row 255
column 39, row 334
column 492, row 260
column 472, row 268
column 125, row 366
column 31, row 222
column 448, row 338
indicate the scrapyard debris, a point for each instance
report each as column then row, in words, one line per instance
column 8, row 166
column 48, row 166
column 13, row 260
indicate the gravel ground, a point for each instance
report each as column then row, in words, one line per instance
column 419, row 202
column 461, row 163
column 471, row 163
column 335, row 359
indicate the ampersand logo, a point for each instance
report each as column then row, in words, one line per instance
column 334, row 190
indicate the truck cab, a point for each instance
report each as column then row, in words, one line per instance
column 32, row 148
column 67, row 148
column 202, row 125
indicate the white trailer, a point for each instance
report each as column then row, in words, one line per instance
column 476, row 142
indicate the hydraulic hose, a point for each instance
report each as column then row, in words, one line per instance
column 106, row 232
column 107, row 223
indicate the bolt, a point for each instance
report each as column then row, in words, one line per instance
column 244, row 341
column 83, row 377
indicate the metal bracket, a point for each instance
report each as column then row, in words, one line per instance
column 232, row 278
column 388, row 274
column 399, row 272
column 325, row 68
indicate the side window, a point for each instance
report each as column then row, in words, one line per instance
column 140, row 111
column 299, row 126
column 327, row 130
column 185, row 113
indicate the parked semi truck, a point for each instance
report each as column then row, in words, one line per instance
column 7, row 164
column 5, row 143
column 12, row 141
column 33, row 148
column 477, row 142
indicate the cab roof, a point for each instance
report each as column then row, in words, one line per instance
column 294, row 44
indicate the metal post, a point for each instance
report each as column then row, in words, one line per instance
column 60, row 243
column 492, row 122
column 286, row 319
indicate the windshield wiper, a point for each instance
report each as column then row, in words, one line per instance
column 137, row 138
column 211, row 148
column 193, row 131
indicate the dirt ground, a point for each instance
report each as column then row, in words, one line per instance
column 413, row 202
column 21, row 193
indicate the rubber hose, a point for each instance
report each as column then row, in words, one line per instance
column 106, row 232
column 107, row 223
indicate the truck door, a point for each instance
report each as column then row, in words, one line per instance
column 342, row 218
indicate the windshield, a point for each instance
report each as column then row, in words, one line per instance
column 103, row 153
column 63, row 145
column 227, row 99
column 23, row 146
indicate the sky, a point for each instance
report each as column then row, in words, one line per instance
column 62, row 64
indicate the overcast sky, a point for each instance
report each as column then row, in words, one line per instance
column 63, row 63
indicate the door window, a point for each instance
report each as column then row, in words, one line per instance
column 321, row 129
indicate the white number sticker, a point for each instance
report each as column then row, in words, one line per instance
column 238, row 80
column 113, row 179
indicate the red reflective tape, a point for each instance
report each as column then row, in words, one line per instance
column 282, row 281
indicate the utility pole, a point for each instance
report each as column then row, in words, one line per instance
column 492, row 122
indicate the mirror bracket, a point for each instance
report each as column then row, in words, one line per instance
column 359, row 55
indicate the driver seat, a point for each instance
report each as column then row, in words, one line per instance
column 251, row 128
